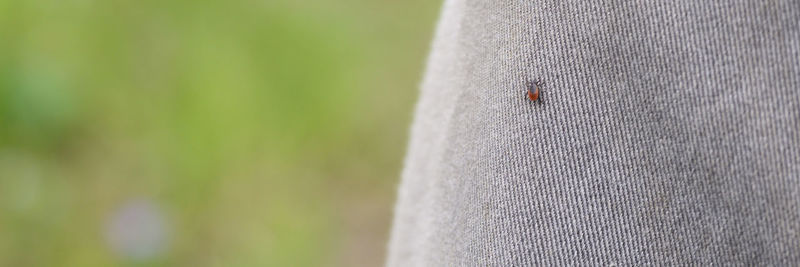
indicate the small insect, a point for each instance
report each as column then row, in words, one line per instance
column 533, row 89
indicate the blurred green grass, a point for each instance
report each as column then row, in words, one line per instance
column 268, row 133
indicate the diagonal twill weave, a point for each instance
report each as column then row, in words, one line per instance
column 668, row 132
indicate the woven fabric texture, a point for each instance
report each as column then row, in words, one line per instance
column 668, row 132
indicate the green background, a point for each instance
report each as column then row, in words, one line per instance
column 263, row 133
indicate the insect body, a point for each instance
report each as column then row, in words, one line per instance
column 533, row 89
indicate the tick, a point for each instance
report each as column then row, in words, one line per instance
column 533, row 89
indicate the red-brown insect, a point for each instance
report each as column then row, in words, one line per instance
column 533, row 89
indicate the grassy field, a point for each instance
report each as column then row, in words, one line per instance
column 204, row 133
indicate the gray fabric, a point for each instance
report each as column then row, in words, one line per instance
column 668, row 132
